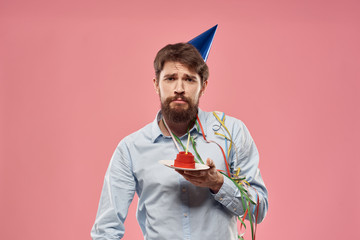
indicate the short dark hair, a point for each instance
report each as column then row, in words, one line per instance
column 184, row 53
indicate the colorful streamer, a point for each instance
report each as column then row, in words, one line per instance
column 240, row 182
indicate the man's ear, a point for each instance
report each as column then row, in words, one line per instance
column 156, row 85
column 203, row 87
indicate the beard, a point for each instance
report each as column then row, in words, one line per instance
column 178, row 114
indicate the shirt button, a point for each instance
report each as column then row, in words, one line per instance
column 184, row 189
column 221, row 199
column 234, row 209
column 185, row 215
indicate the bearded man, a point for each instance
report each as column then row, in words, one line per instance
column 180, row 204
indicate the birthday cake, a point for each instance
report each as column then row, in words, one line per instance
column 184, row 160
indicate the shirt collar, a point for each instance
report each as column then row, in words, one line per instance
column 156, row 132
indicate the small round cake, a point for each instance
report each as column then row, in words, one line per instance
column 184, row 160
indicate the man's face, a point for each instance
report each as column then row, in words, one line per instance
column 179, row 89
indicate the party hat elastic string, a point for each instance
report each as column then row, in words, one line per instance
column 172, row 135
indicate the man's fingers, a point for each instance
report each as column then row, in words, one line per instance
column 210, row 163
column 195, row 173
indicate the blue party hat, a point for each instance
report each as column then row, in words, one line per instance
column 203, row 42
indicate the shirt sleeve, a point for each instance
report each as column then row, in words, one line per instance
column 117, row 193
column 246, row 157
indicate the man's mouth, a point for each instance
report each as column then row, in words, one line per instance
column 179, row 100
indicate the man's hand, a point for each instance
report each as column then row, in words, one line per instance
column 210, row 178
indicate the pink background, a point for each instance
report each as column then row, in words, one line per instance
column 76, row 77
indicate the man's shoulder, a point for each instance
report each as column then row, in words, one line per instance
column 237, row 129
column 144, row 133
column 216, row 116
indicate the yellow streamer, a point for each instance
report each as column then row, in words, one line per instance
column 222, row 122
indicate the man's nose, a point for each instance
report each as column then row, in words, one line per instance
column 179, row 88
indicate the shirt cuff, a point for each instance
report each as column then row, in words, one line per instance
column 227, row 192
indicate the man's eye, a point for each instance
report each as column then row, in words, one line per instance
column 189, row 79
column 170, row 78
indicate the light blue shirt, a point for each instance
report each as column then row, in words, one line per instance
column 170, row 207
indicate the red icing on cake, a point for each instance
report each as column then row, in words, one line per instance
column 184, row 160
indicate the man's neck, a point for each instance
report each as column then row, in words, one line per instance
column 179, row 129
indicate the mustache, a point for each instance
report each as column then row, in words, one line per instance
column 176, row 97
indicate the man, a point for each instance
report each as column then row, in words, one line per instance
column 180, row 204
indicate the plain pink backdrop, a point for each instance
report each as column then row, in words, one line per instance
column 76, row 77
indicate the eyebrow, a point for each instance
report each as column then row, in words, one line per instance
column 190, row 76
column 169, row 75
column 193, row 77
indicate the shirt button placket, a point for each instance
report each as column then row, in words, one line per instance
column 185, row 209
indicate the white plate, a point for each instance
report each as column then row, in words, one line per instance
column 170, row 164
